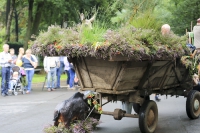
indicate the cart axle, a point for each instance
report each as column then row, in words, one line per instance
column 118, row 114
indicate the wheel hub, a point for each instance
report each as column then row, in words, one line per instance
column 151, row 117
column 196, row 104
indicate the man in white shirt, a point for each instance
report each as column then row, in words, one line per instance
column 50, row 66
column 196, row 31
column 5, row 62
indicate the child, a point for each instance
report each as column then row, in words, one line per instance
column 13, row 81
column 14, row 57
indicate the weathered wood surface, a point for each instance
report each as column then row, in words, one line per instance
column 116, row 77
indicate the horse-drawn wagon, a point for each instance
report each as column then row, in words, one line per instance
column 128, row 64
column 119, row 78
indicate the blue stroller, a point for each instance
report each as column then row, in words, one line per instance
column 15, row 84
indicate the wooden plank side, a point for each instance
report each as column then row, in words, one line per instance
column 102, row 72
column 85, row 77
column 130, row 76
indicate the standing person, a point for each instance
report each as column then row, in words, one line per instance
column 5, row 62
column 66, row 68
column 13, row 56
column 50, row 66
column 20, row 54
column 29, row 63
column 196, row 30
column 59, row 71
column 19, row 63
column 71, row 71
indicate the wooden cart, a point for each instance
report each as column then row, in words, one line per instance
column 119, row 78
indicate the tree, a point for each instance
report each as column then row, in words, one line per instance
column 184, row 12
column 9, row 20
column 30, row 20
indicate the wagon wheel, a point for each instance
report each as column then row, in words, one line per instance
column 192, row 104
column 136, row 107
column 148, row 117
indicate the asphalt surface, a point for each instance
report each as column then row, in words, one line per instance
column 30, row 113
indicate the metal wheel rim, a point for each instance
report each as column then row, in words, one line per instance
column 196, row 104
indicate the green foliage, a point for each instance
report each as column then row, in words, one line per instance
column 2, row 36
column 93, row 35
column 131, row 9
column 128, row 41
column 146, row 20
column 79, row 126
column 191, row 63
column 184, row 12
column 139, row 13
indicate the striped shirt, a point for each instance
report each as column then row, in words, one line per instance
column 4, row 58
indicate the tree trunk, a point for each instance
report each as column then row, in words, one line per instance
column 16, row 26
column 9, row 21
column 7, row 10
column 37, row 19
column 30, row 20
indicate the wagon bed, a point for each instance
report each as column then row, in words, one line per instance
column 122, row 75
column 120, row 78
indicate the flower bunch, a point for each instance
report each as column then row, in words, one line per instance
column 93, row 102
column 191, row 63
column 84, row 126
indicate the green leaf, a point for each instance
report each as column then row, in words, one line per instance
column 96, row 107
column 89, row 102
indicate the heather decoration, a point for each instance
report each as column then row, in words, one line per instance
column 191, row 63
column 99, row 42
column 85, row 126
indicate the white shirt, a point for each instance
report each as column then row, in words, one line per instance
column 50, row 62
column 4, row 58
column 196, row 31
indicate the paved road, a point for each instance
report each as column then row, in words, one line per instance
column 31, row 112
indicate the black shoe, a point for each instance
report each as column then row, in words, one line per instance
column 3, row 94
column 7, row 94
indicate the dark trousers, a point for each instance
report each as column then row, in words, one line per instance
column 5, row 73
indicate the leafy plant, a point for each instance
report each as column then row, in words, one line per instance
column 128, row 41
column 93, row 102
column 191, row 63
column 2, row 35
column 85, row 126
column 93, row 35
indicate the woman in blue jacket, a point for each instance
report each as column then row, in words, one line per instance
column 29, row 63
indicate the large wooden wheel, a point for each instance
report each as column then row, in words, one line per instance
column 193, row 104
column 148, row 117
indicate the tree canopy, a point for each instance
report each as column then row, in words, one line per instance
column 19, row 20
